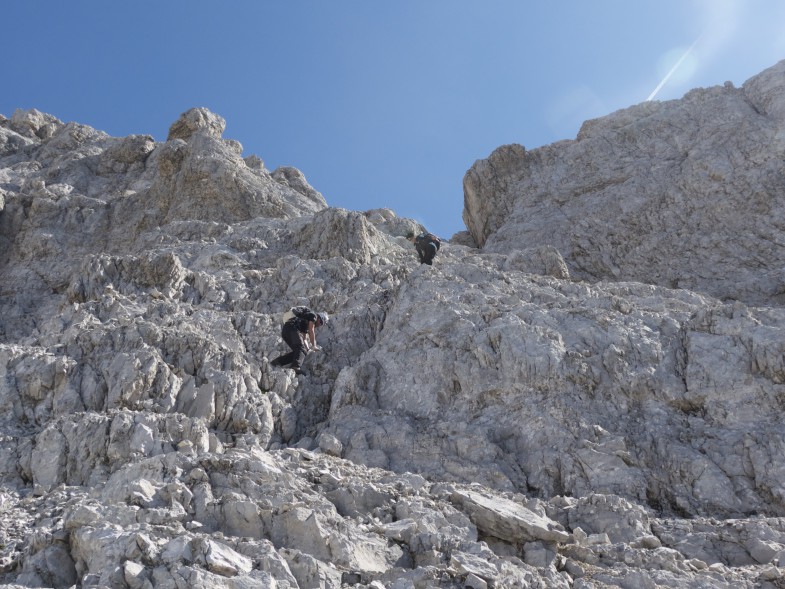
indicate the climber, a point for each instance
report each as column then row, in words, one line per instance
column 299, row 333
column 426, row 244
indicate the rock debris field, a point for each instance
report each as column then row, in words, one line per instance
column 585, row 390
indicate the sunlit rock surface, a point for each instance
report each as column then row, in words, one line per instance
column 685, row 193
column 508, row 417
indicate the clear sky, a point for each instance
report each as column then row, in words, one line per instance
column 379, row 104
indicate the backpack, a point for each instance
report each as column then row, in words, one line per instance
column 299, row 311
column 425, row 238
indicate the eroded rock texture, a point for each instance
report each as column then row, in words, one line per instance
column 511, row 416
column 685, row 193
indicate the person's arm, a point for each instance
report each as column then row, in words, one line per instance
column 312, row 335
column 304, row 339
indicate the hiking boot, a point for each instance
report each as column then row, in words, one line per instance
column 297, row 369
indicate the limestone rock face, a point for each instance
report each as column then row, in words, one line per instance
column 493, row 420
column 197, row 120
column 684, row 194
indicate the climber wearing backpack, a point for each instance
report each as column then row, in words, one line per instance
column 426, row 244
column 299, row 333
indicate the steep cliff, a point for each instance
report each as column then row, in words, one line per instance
column 685, row 194
column 512, row 416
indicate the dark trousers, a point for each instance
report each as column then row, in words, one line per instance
column 427, row 253
column 295, row 358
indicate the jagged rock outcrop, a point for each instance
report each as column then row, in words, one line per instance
column 493, row 420
column 684, row 194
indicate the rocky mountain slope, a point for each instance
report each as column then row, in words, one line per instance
column 685, row 194
column 545, row 411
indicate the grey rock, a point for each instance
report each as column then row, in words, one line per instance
column 621, row 520
column 635, row 196
column 330, row 445
column 136, row 575
column 469, row 564
column 33, row 123
column 220, row 559
column 507, row 520
column 197, row 120
column 523, row 413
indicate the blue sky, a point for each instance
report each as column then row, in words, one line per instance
column 379, row 104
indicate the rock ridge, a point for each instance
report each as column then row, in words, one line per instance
column 500, row 419
column 684, row 194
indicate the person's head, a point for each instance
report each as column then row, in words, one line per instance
column 322, row 319
column 410, row 235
